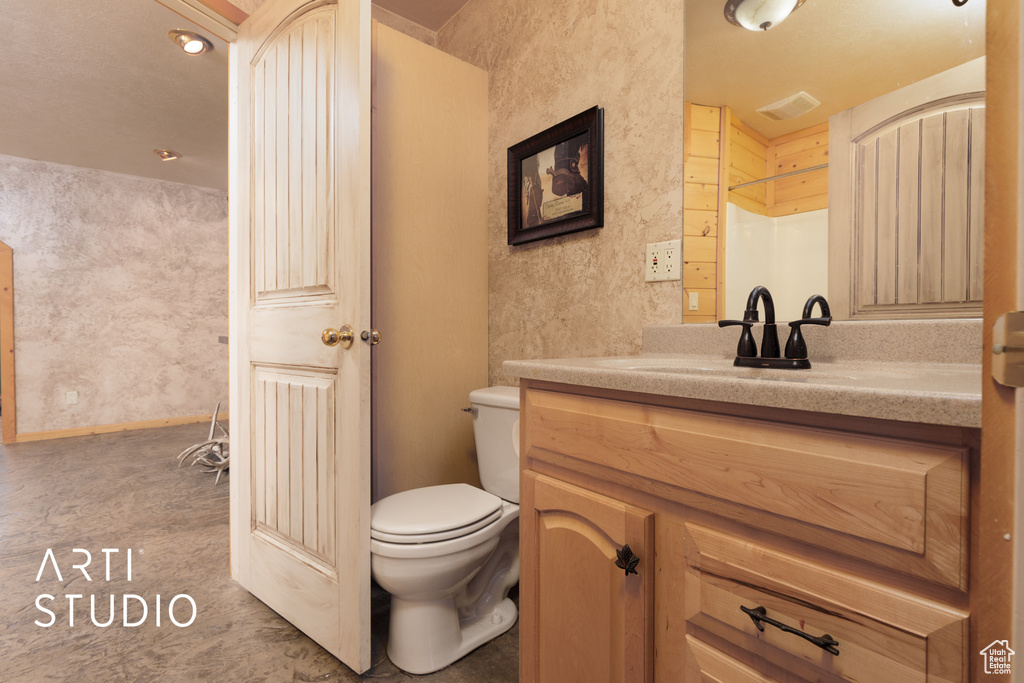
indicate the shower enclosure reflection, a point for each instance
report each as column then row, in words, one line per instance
column 776, row 232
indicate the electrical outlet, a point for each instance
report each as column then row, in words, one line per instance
column 673, row 254
column 72, row 398
column 664, row 261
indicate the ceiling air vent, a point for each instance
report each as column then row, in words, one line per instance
column 789, row 107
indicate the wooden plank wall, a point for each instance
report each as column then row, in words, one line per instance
column 702, row 150
column 747, row 160
column 805, row 192
column 713, row 163
column 752, row 156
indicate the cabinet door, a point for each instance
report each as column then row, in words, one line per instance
column 584, row 618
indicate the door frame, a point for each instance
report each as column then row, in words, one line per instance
column 8, row 414
column 219, row 17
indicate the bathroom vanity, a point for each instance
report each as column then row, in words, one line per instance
column 781, row 525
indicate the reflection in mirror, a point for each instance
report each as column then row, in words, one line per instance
column 758, row 105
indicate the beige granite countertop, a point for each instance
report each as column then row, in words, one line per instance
column 934, row 391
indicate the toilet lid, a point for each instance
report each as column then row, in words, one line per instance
column 433, row 513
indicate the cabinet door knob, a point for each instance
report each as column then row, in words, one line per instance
column 759, row 614
column 627, row 560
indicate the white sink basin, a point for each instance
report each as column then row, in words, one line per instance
column 695, row 365
column 719, row 367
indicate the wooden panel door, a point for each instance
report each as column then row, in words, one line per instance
column 301, row 428
column 584, row 618
column 906, row 204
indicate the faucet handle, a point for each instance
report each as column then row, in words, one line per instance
column 746, row 348
column 822, row 306
column 796, row 347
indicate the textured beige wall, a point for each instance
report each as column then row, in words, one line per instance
column 583, row 294
column 120, row 294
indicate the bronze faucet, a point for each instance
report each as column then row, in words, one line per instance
column 796, row 348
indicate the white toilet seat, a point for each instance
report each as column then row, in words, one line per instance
column 433, row 513
column 437, row 536
column 508, row 513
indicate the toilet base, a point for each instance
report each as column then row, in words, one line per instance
column 428, row 636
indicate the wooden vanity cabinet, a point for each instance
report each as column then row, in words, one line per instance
column 851, row 531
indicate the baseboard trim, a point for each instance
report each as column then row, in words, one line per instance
column 123, row 427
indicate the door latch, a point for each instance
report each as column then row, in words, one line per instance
column 1008, row 349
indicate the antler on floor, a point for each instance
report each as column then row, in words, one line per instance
column 212, row 453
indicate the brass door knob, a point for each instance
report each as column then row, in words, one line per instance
column 372, row 336
column 333, row 337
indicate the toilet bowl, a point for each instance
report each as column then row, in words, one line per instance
column 449, row 554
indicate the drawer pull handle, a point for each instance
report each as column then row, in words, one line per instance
column 627, row 560
column 759, row 614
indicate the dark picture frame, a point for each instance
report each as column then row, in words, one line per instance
column 556, row 180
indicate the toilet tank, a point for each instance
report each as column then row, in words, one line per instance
column 496, row 431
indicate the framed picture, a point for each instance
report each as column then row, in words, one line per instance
column 556, row 180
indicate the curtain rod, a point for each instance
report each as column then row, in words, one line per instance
column 781, row 175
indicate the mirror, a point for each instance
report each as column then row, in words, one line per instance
column 841, row 54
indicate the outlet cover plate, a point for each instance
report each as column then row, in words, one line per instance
column 664, row 261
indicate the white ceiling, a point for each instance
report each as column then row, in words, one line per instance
column 97, row 83
column 841, row 52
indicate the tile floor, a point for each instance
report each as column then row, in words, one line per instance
column 123, row 491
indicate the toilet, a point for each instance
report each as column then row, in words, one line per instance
column 449, row 554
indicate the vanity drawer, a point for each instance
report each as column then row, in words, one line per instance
column 705, row 663
column 897, row 502
column 881, row 634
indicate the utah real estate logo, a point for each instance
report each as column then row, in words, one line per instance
column 998, row 657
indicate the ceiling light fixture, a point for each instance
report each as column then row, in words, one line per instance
column 759, row 15
column 192, row 43
column 166, row 154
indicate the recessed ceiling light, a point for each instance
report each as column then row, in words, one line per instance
column 166, row 154
column 192, row 43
